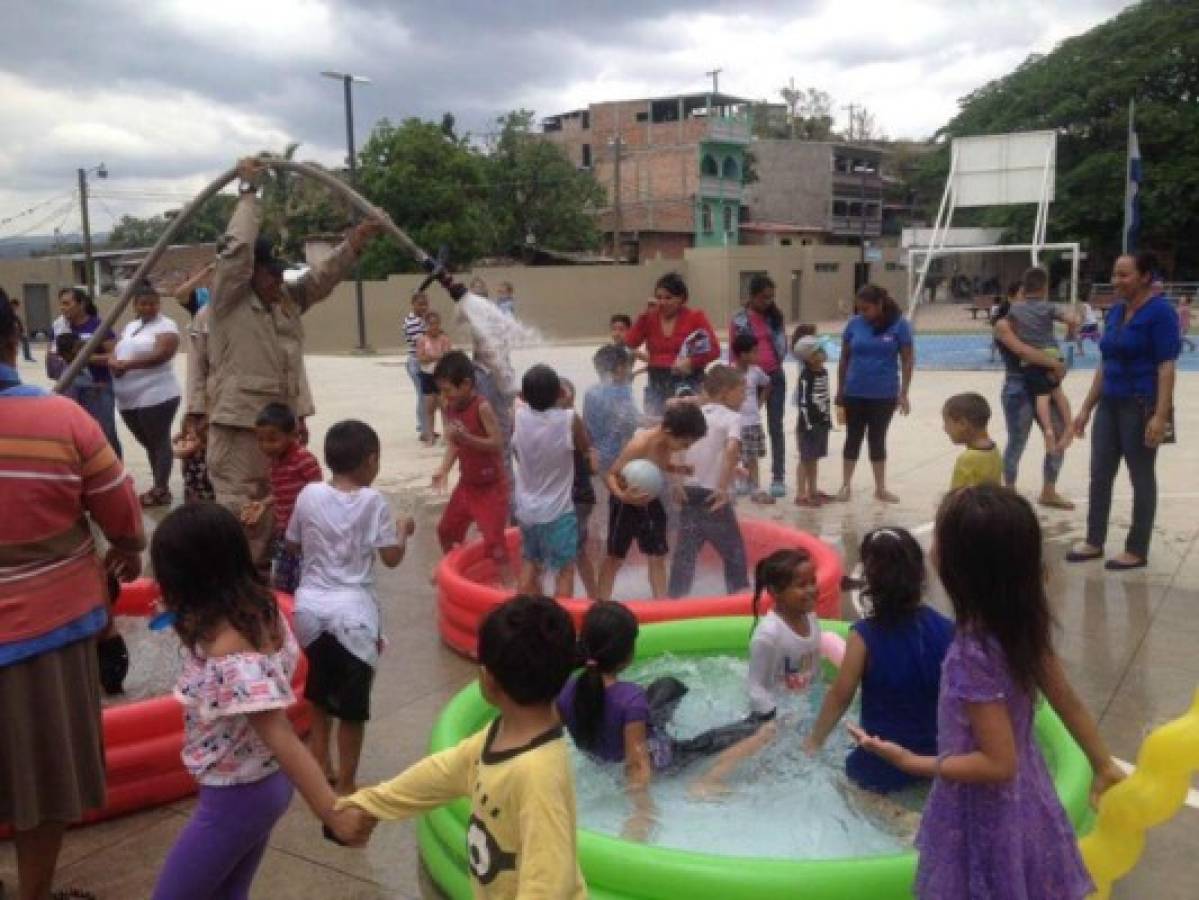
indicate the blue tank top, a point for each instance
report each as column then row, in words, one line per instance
column 899, row 692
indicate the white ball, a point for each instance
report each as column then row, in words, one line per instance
column 644, row 476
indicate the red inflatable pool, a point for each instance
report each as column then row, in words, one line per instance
column 466, row 592
column 143, row 739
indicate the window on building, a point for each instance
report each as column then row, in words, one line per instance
column 728, row 219
column 708, row 165
column 827, row 267
column 586, row 156
column 587, row 118
column 642, row 117
column 746, row 277
column 839, row 208
column 895, row 267
column 730, row 169
column 705, row 218
column 840, row 164
column 855, row 210
column 785, row 242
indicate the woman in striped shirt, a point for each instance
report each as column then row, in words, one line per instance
column 56, row 468
column 414, row 327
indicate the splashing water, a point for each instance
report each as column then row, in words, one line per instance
column 155, row 658
column 496, row 335
column 782, row 804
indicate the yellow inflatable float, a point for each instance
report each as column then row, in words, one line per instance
column 1148, row 797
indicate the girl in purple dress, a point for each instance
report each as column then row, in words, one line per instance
column 993, row 827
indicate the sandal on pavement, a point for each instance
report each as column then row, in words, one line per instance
column 1056, row 501
column 762, row 498
column 1119, row 565
column 1077, row 556
column 155, row 497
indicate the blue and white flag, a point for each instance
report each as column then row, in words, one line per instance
column 1132, row 187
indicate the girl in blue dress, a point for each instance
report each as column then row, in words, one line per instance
column 895, row 656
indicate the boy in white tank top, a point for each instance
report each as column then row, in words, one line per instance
column 544, row 442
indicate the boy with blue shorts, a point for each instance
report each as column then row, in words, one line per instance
column 544, row 441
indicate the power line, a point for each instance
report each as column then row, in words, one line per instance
column 40, row 223
column 32, row 209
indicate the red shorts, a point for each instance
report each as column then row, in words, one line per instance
column 484, row 504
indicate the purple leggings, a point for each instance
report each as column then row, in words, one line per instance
column 219, row 850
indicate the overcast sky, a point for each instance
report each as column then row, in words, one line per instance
column 169, row 92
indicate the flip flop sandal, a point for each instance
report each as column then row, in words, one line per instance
column 1116, row 565
column 154, row 498
column 1079, row 556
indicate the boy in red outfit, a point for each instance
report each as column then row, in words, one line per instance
column 474, row 440
column 291, row 467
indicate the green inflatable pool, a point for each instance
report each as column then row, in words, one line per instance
column 621, row 870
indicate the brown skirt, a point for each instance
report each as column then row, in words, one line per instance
column 51, row 739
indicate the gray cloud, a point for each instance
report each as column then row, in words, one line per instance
column 168, row 92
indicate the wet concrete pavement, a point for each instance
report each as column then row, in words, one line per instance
column 1127, row 640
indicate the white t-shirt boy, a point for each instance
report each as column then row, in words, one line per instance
column 339, row 533
column 706, row 456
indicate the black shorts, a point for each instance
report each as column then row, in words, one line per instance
column 338, row 681
column 1038, row 381
column 813, row 444
column 427, row 384
column 646, row 524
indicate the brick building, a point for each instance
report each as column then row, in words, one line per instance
column 672, row 167
column 834, row 190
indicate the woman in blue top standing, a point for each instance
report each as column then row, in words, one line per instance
column 1132, row 397
column 873, row 378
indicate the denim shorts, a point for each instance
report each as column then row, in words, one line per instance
column 554, row 545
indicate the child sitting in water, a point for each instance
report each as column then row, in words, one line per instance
column 784, row 651
column 635, row 515
column 516, row 772
column 706, row 515
column 620, row 721
column 965, row 417
column 993, row 818
column 235, row 687
column 894, row 654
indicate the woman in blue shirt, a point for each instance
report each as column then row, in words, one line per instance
column 1132, row 397
column 873, row 378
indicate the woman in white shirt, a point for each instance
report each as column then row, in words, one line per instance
column 146, row 388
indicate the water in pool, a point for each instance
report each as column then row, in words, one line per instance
column 781, row 804
column 154, row 660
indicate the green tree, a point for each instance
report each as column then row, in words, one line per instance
column 205, row 226
column 432, row 184
column 535, row 195
column 1081, row 90
column 295, row 207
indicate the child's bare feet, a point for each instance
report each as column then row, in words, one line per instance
column 844, row 494
column 761, row 498
column 885, row 496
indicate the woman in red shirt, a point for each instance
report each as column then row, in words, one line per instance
column 680, row 342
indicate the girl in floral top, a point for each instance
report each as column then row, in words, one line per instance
column 235, row 687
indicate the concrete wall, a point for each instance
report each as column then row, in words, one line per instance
column 795, row 183
column 574, row 303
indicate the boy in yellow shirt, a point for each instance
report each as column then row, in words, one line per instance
column 966, row 417
column 517, row 771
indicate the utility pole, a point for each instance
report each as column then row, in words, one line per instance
column 715, row 76
column 347, row 81
column 89, row 275
column 617, row 145
column 853, row 115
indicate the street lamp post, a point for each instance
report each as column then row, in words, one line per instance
column 862, row 171
column 347, row 80
column 89, row 274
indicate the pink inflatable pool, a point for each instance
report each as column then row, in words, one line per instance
column 466, row 589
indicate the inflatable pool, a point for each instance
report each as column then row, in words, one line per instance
column 143, row 738
column 466, row 592
column 620, row 870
